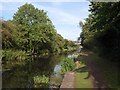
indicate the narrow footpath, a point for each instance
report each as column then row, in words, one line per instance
column 95, row 73
column 68, row 81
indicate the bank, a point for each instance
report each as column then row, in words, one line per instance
column 96, row 72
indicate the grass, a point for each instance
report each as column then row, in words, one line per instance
column 110, row 72
column 81, row 74
column 81, row 81
column 108, row 69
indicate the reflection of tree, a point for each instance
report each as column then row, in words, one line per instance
column 44, row 65
column 18, row 77
column 15, row 78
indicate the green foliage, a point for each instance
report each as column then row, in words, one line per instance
column 11, row 58
column 70, row 46
column 81, row 82
column 31, row 30
column 14, row 55
column 67, row 65
column 41, row 81
column 101, row 30
column 8, row 39
column 35, row 29
column 59, row 43
column 32, row 33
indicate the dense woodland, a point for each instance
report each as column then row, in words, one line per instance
column 31, row 32
column 101, row 30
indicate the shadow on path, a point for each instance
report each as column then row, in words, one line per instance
column 94, row 72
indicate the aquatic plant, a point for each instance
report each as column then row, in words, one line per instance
column 67, row 65
column 41, row 81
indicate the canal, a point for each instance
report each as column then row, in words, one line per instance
column 38, row 72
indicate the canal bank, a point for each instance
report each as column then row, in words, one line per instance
column 42, row 73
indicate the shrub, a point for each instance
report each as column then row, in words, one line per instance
column 41, row 81
column 12, row 58
column 67, row 65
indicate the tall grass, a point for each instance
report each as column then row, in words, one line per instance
column 11, row 57
column 14, row 55
column 41, row 81
column 67, row 65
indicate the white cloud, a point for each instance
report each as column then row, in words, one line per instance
column 1, row 6
column 56, row 3
column 69, row 33
column 60, row 16
column 65, row 23
column 67, row 18
column 57, row 15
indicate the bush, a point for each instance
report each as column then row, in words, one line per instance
column 67, row 65
column 12, row 58
column 41, row 81
column 14, row 55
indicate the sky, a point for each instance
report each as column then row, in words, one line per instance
column 64, row 14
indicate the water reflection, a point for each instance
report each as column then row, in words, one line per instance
column 30, row 74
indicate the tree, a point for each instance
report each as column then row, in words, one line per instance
column 59, row 43
column 8, row 31
column 36, row 30
column 101, row 28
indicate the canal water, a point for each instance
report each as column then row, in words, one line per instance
column 37, row 73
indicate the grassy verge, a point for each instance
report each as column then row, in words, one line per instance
column 81, row 74
column 81, row 81
column 109, row 70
